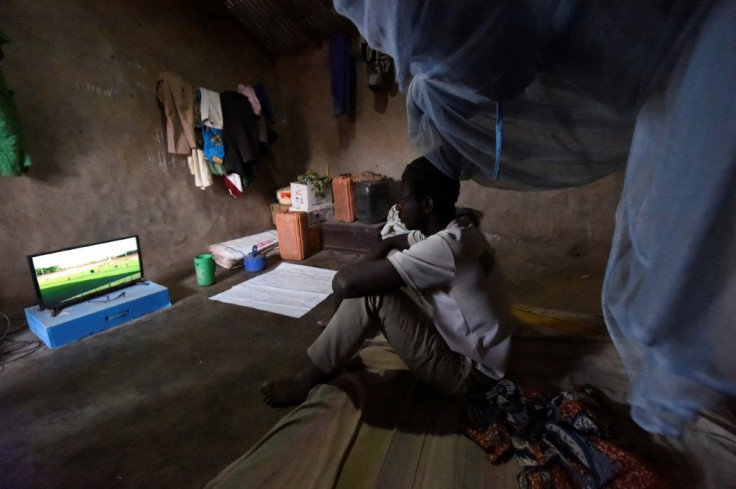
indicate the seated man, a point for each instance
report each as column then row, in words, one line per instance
column 458, row 339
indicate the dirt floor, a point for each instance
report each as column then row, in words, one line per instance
column 168, row 400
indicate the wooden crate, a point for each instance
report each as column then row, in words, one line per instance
column 353, row 236
column 276, row 208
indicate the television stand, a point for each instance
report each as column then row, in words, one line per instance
column 59, row 327
column 121, row 293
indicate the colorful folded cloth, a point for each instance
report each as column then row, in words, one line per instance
column 559, row 442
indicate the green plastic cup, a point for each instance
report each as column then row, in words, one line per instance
column 204, row 266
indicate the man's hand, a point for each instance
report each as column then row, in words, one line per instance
column 382, row 249
column 374, row 275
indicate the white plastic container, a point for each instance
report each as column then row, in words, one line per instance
column 304, row 197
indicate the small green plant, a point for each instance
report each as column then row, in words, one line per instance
column 318, row 182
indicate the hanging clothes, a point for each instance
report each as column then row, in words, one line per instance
column 177, row 100
column 267, row 135
column 233, row 184
column 380, row 66
column 210, row 109
column 266, row 106
column 240, row 136
column 250, row 92
column 199, row 169
column 13, row 158
column 342, row 81
column 214, row 149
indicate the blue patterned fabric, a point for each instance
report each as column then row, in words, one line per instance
column 213, row 146
column 560, row 440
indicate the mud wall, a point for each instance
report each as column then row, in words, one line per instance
column 84, row 77
column 575, row 220
column 84, row 74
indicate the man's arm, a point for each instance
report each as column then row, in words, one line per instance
column 366, row 278
column 374, row 275
column 381, row 250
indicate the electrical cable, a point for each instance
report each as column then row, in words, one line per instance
column 17, row 349
column 7, row 330
column 107, row 298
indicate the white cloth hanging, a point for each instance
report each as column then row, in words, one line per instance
column 198, row 167
column 210, row 109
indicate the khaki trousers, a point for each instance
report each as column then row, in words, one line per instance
column 409, row 331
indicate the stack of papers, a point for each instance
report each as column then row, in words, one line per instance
column 230, row 254
column 291, row 290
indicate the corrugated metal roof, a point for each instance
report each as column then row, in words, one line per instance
column 289, row 26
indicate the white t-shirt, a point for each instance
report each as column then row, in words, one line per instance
column 455, row 273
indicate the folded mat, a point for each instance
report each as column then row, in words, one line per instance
column 375, row 426
column 372, row 427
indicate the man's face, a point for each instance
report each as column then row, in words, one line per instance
column 410, row 208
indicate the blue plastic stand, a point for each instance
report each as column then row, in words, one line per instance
column 87, row 318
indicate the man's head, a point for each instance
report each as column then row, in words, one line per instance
column 427, row 197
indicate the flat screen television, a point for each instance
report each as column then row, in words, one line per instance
column 72, row 275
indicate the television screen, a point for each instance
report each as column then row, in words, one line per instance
column 72, row 275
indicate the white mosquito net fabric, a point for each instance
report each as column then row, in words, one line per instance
column 585, row 87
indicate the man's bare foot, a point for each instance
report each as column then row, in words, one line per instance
column 292, row 390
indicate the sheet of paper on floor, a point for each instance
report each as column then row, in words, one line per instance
column 289, row 289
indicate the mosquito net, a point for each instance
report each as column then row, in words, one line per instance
column 540, row 94
column 534, row 94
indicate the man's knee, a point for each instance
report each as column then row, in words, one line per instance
column 404, row 299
